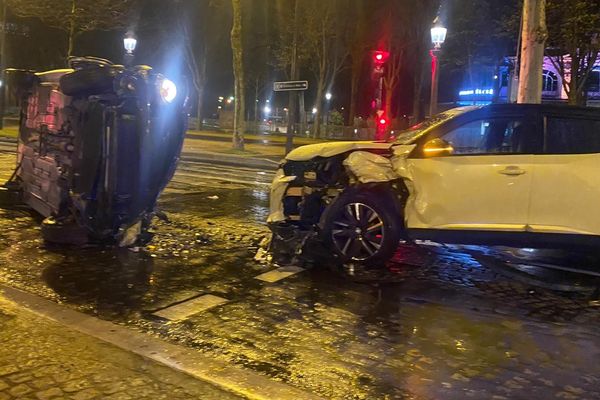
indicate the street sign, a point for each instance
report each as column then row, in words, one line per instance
column 290, row 86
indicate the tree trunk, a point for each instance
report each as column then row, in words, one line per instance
column 200, row 94
column 389, row 93
column 534, row 36
column 72, row 29
column 575, row 94
column 354, row 86
column 238, row 71
column 202, row 85
column 319, row 107
column 417, row 91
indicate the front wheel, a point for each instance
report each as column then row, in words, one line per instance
column 363, row 227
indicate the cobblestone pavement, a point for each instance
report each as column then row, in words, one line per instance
column 436, row 324
column 42, row 360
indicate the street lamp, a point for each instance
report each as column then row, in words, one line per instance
column 328, row 96
column 438, row 37
column 129, row 43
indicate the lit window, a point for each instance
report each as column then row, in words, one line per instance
column 549, row 82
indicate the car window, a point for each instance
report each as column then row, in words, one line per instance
column 572, row 136
column 489, row 136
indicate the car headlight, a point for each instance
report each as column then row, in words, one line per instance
column 167, row 90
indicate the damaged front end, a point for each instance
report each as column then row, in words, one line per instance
column 301, row 192
column 97, row 145
column 305, row 189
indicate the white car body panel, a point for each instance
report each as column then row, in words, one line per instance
column 469, row 192
column 565, row 194
column 545, row 194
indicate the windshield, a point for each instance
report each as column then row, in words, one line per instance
column 413, row 133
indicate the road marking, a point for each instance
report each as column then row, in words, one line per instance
column 243, row 382
column 187, row 308
column 279, row 274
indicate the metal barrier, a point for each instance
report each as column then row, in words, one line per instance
column 329, row 132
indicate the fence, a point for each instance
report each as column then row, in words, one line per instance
column 332, row 132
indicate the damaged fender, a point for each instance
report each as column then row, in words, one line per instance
column 367, row 167
column 402, row 168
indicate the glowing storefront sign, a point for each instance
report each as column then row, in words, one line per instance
column 476, row 92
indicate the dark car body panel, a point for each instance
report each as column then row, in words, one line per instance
column 102, row 159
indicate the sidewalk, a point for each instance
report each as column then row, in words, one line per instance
column 40, row 359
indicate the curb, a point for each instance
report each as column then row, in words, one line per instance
column 236, row 380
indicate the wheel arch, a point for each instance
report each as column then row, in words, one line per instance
column 395, row 192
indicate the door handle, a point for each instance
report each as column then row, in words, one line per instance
column 512, row 170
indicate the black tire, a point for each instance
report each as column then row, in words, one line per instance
column 88, row 81
column 363, row 227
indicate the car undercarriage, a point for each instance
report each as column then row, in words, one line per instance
column 97, row 144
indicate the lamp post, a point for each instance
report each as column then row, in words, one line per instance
column 438, row 37
column 129, row 43
column 328, row 97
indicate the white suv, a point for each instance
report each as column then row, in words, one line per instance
column 505, row 174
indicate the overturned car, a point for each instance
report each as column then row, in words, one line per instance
column 97, row 144
column 503, row 174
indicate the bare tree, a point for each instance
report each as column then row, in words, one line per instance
column 200, row 33
column 391, row 79
column 290, row 53
column 238, row 71
column 574, row 43
column 360, row 45
column 323, row 29
column 76, row 16
column 258, row 39
column 420, row 16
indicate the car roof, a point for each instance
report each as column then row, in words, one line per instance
column 545, row 107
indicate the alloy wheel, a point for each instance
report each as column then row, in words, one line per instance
column 358, row 232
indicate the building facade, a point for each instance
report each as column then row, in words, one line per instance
column 505, row 84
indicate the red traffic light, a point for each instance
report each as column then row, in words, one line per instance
column 380, row 57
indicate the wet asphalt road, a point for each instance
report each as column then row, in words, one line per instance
column 435, row 324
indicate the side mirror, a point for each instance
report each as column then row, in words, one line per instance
column 437, row 148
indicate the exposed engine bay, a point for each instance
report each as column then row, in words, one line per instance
column 97, row 145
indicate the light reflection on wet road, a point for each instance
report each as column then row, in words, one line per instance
column 435, row 325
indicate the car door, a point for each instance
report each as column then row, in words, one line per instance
column 481, row 183
column 565, row 191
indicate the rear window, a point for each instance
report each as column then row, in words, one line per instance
column 572, row 136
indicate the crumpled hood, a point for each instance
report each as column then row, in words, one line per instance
column 331, row 149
